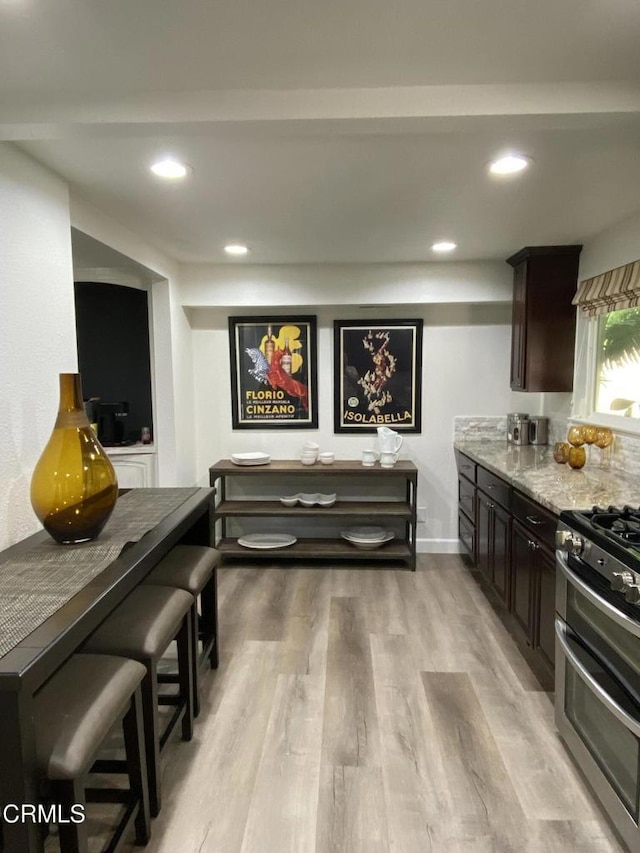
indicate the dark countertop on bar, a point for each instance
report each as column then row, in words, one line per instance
column 533, row 471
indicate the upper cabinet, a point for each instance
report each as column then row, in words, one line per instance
column 544, row 320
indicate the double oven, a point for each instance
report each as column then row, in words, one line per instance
column 598, row 656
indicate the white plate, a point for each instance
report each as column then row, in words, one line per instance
column 368, row 544
column 367, row 533
column 262, row 541
column 250, row 458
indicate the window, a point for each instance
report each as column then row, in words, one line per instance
column 607, row 376
column 617, row 385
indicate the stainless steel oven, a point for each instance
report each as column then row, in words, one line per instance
column 598, row 669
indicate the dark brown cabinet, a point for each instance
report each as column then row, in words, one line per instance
column 522, row 580
column 543, row 319
column 546, row 638
column 467, row 504
column 493, row 525
column 512, row 539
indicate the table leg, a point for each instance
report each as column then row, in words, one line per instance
column 18, row 784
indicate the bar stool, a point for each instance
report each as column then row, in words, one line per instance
column 73, row 714
column 193, row 568
column 142, row 628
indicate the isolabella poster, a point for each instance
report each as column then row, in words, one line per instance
column 273, row 372
column 377, row 375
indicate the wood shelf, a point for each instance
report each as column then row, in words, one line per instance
column 404, row 512
column 318, row 549
column 340, row 509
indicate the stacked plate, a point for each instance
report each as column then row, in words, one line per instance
column 367, row 538
column 255, row 458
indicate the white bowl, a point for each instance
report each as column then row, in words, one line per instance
column 327, row 457
column 308, row 460
column 311, row 445
column 289, row 501
column 326, row 500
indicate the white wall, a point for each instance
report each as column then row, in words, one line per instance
column 465, row 362
column 37, row 326
column 247, row 285
column 611, row 248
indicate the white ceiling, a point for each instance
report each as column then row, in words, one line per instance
column 351, row 131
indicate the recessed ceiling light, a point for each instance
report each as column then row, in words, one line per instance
column 169, row 168
column 444, row 246
column 236, row 249
column 509, row 165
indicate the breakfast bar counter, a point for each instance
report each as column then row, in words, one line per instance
column 54, row 597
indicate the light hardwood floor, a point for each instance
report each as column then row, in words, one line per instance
column 362, row 711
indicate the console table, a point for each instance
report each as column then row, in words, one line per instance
column 327, row 479
column 168, row 517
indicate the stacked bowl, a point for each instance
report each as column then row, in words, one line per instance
column 309, row 453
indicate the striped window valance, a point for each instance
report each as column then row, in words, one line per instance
column 611, row 291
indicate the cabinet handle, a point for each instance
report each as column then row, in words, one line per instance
column 490, row 487
column 532, row 519
column 533, row 545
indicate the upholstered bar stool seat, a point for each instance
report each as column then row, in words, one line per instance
column 74, row 712
column 142, row 628
column 193, row 568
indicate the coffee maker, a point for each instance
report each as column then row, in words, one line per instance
column 111, row 419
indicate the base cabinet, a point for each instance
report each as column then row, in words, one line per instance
column 134, row 470
column 513, row 538
column 522, row 580
column 546, row 639
column 493, row 525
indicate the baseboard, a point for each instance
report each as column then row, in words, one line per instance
column 438, row 546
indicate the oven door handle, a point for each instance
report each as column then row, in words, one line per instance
column 602, row 604
column 627, row 721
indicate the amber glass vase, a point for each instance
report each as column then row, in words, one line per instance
column 74, row 487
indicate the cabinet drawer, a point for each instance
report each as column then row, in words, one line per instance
column 467, row 498
column 466, row 466
column 493, row 486
column 535, row 518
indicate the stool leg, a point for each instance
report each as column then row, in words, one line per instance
column 195, row 628
column 209, row 600
column 137, row 766
column 184, row 643
column 73, row 836
column 151, row 735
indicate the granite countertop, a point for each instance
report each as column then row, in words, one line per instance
column 533, row 471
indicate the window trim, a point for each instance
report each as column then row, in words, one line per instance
column 585, row 377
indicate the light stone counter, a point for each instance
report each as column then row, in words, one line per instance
column 533, row 471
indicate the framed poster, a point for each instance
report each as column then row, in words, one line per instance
column 273, row 372
column 377, row 375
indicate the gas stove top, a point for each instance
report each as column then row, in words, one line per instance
column 615, row 529
column 607, row 541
